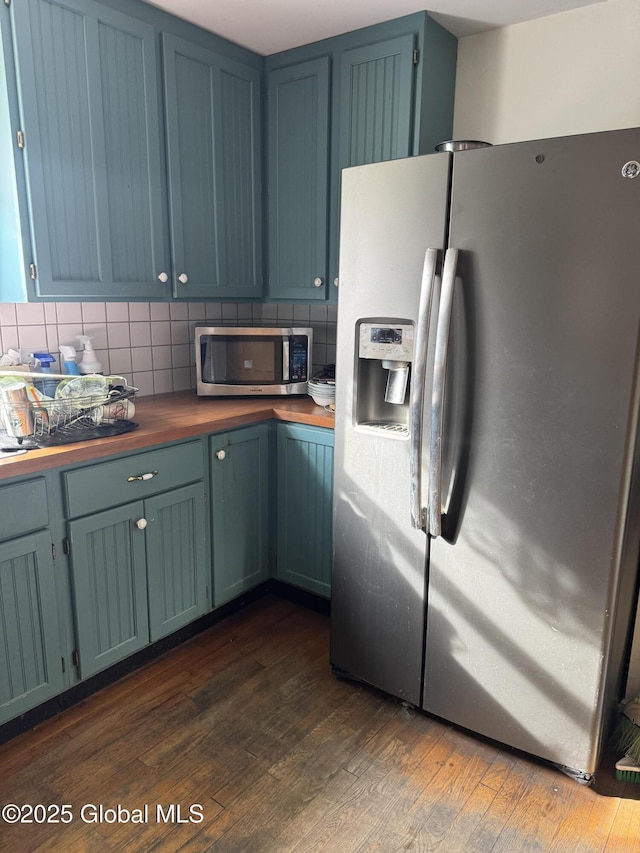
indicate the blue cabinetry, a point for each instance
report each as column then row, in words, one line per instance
column 91, row 134
column 390, row 94
column 239, row 510
column 213, row 142
column 139, row 566
column 298, row 98
column 305, row 489
column 113, row 204
column 31, row 668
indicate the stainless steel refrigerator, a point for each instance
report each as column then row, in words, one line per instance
column 487, row 459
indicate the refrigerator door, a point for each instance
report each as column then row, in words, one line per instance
column 528, row 578
column 391, row 213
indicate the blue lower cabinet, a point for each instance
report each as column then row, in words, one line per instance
column 305, row 490
column 30, row 653
column 109, row 580
column 240, row 510
column 177, row 564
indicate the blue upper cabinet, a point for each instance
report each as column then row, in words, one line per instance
column 89, row 98
column 298, row 116
column 213, row 151
column 391, row 89
column 140, row 175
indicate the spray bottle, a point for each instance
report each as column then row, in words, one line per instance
column 69, row 360
column 89, row 362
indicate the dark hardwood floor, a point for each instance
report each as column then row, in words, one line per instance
column 246, row 724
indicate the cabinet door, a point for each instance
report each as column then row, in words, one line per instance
column 305, row 490
column 375, row 109
column 30, row 656
column 177, row 565
column 240, row 494
column 89, row 100
column 376, row 97
column 213, row 137
column 109, row 586
column 298, row 110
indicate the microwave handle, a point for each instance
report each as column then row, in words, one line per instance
column 285, row 360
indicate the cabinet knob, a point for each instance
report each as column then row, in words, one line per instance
column 183, row 278
column 163, row 277
column 220, row 454
column 141, row 523
column 336, row 282
column 317, row 282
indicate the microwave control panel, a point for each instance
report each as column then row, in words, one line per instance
column 298, row 347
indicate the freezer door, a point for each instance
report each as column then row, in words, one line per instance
column 537, row 452
column 391, row 214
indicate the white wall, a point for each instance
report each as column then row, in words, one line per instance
column 574, row 72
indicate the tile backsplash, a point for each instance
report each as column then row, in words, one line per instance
column 151, row 343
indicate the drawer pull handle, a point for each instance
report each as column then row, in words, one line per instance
column 220, row 454
column 149, row 476
column 141, row 523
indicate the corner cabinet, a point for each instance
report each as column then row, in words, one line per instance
column 387, row 92
column 213, row 151
column 240, row 493
column 304, row 506
column 88, row 85
column 30, row 650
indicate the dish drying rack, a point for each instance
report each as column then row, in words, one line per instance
column 55, row 421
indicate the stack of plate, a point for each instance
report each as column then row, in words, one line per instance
column 322, row 391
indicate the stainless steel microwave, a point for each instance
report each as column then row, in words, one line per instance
column 249, row 361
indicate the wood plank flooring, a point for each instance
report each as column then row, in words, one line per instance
column 246, row 724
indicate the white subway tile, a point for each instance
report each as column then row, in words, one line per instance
column 32, row 338
column 181, row 379
column 139, row 311
column 94, row 312
column 8, row 314
column 180, row 332
column 143, row 382
column 141, row 359
column 162, row 381
column 179, row 311
column 30, row 314
column 159, row 310
column 120, row 361
column 118, row 335
column 161, row 358
column 140, row 334
column 117, row 312
column 181, row 356
column 161, row 333
column 9, row 338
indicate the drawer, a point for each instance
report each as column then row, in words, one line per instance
column 131, row 478
column 24, row 508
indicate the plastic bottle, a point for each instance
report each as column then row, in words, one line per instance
column 89, row 362
column 69, row 360
column 45, row 361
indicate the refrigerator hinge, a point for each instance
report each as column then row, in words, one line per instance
column 19, row 133
column 66, row 546
column 416, row 56
column 32, row 272
column 75, row 658
column 53, row 550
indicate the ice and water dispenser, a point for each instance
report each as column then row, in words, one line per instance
column 383, row 368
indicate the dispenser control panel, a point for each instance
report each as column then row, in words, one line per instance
column 390, row 341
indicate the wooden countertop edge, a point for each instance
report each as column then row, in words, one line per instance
column 170, row 417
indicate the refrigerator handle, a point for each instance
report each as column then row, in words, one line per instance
column 437, row 399
column 416, row 395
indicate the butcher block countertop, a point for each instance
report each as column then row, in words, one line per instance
column 171, row 417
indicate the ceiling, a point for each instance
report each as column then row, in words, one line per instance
column 269, row 26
